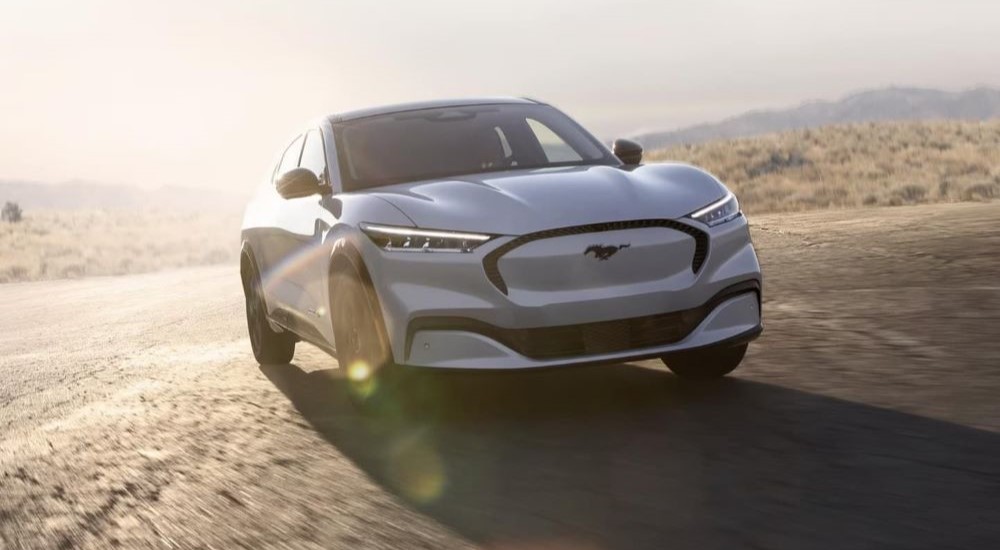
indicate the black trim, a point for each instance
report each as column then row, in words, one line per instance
column 739, row 339
column 309, row 335
column 293, row 323
column 491, row 261
column 567, row 341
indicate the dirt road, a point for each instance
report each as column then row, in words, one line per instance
column 867, row 416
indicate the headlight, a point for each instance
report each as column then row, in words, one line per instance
column 411, row 239
column 721, row 211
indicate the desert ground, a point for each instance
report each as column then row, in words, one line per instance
column 866, row 416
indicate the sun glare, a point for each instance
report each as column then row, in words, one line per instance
column 359, row 371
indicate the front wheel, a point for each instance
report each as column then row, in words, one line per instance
column 707, row 363
column 362, row 346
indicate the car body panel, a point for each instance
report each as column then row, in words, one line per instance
column 525, row 201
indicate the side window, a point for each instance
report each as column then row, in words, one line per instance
column 290, row 159
column 313, row 156
column 555, row 148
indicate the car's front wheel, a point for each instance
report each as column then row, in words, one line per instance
column 362, row 346
column 269, row 346
column 707, row 363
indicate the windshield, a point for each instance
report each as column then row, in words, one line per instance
column 451, row 141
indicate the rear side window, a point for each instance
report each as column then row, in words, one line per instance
column 290, row 159
column 556, row 149
column 313, row 156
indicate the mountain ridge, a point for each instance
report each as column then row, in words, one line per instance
column 896, row 103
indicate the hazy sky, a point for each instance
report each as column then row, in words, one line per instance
column 203, row 92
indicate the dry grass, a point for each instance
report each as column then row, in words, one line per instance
column 855, row 165
column 68, row 244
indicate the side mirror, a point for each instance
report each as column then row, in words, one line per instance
column 627, row 151
column 297, row 183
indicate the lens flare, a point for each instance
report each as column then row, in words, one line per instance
column 362, row 383
column 308, row 255
column 417, row 471
column 359, row 371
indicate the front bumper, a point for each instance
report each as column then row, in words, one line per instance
column 443, row 310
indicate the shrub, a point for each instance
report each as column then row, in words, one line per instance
column 910, row 193
column 11, row 212
column 980, row 191
column 13, row 274
column 776, row 162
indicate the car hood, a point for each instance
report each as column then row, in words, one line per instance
column 525, row 201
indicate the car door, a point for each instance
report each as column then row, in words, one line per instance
column 306, row 221
column 274, row 244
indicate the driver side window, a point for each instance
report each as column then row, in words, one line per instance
column 314, row 156
column 290, row 159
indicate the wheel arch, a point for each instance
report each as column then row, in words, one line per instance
column 248, row 264
column 345, row 257
column 249, row 267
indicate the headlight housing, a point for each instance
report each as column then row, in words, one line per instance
column 412, row 239
column 721, row 211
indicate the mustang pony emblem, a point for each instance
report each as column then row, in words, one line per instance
column 604, row 251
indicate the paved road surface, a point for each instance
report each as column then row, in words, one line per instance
column 868, row 416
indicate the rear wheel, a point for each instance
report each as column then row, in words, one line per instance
column 362, row 347
column 270, row 347
column 706, row 363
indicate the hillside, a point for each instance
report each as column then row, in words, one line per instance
column 889, row 104
column 854, row 165
column 79, row 229
column 84, row 195
column 60, row 244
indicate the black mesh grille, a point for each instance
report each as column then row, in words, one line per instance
column 589, row 338
column 603, row 337
column 491, row 261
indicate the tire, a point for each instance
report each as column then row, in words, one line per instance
column 269, row 346
column 359, row 335
column 705, row 364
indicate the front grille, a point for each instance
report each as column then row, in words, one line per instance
column 589, row 338
column 492, row 260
